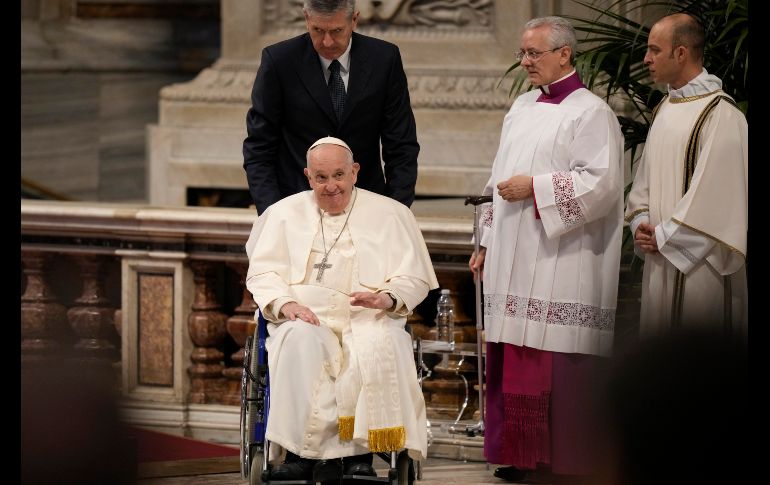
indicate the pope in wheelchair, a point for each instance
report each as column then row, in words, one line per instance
column 335, row 271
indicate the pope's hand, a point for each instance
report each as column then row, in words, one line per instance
column 378, row 301
column 294, row 310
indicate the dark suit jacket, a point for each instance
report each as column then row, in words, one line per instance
column 291, row 108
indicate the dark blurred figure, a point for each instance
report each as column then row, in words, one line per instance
column 70, row 428
column 677, row 407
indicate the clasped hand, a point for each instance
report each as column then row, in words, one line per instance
column 645, row 238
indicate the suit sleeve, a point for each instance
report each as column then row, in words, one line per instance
column 263, row 129
column 399, row 137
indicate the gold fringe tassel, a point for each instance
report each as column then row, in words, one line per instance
column 387, row 439
column 345, row 424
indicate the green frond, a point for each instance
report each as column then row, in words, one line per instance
column 728, row 27
column 746, row 71
column 740, row 43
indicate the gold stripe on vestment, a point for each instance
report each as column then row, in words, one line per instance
column 690, row 161
column 687, row 99
column 630, row 217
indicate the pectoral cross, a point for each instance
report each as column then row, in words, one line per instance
column 322, row 266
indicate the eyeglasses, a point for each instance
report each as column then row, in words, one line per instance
column 533, row 55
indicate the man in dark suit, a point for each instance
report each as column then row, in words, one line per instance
column 292, row 107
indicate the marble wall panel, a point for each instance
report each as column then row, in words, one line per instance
column 155, row 295
column 156, row 298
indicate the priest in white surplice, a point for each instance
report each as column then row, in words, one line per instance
column 336, row 270
column 550, row 254
column 688, row 207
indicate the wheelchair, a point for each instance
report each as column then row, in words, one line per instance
column 255, row 409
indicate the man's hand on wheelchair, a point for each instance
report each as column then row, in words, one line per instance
column 378, row 301
column 294, row 310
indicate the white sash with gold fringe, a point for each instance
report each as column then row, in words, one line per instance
column 376, row 382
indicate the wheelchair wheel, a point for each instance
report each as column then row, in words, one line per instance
column 250, row 414
column 255, row 472
column 246, row 426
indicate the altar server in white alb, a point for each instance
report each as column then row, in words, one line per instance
column 336, row 270
column 550, row 258
column 688, row 207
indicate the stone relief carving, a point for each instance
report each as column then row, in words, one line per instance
column 441, row 90
column 458, row 84
column 378, row 11
column 428, row 88
column 451, row 14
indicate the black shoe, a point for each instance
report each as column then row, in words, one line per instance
column 328, row 471
column 510, row 473
column 293, row 468
column 360, row 465
column 361, row 469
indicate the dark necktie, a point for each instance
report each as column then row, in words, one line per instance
column 336, row 88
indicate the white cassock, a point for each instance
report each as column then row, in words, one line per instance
column 348, row 386
column 551, row 283
column 700, row 219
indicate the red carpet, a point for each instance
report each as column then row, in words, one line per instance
column 155, row 446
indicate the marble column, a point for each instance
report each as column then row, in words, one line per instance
column 207, row 327
column 43, row 319
column 92, row 316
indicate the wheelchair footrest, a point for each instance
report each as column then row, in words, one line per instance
column 290, row 482
column 365, row 478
